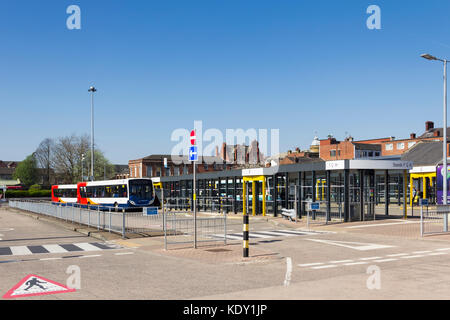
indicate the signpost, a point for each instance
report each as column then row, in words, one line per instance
column 193, row 157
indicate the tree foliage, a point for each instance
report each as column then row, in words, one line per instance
column 26, row 171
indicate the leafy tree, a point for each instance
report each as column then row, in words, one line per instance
column 27, row 171
column 44, row 156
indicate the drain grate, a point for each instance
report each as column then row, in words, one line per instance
column 218, row 250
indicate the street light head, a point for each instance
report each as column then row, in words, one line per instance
column 428, row 56
column 92, row 89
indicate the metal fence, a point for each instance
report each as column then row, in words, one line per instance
column 178, row 227
column 432, row 220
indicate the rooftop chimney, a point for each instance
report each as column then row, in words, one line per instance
column 412, row 136
column 429, row 125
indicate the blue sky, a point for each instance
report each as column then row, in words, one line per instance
column 298, row 66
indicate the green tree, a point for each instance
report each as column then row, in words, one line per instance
column 27, row 171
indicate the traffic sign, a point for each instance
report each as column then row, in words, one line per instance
column 314, row 206
column 193, row 155
column 148, row 211
column 193, row 137
column 33, row 285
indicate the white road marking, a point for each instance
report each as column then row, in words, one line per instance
column 355, row 263
column 91, row 256
column 428, row 251
column 287, row 279
column 44, row 259
column 20, row 251
column 123, row 253
column 437, row 253
column 54, row 248
column 360, row 246
column 442, row 249
column 273, row 233
column 310, row 264
column 325, row 267
column 87, row 247
column 370, row 258
column 410, row 257
column 341, row 261
column 386, row 260
column 397, row 255
column 380, row 224
column 233, row 237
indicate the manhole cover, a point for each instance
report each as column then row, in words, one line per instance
column 218, row 250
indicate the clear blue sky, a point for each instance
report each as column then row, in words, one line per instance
column 298, row 66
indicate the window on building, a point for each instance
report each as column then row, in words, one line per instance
column 205, row 166
column 185, row 168
column 149, row 171
column 377, row 153
column 333, row 153
column 167, row 172
column 400, row 146
column 389, row 146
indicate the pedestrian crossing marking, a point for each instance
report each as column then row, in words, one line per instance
column 263, row 234
column 33, row 285
column 54, row 248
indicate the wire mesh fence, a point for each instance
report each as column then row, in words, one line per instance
column 177, row 227
column 433, row 221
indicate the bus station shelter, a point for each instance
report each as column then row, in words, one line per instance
column 348, row 190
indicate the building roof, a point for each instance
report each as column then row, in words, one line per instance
column 424, row 153
column 430, row 133
column 185, row 159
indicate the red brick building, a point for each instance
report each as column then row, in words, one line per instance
column 153, row 166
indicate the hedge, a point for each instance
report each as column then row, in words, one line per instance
column 28, row 193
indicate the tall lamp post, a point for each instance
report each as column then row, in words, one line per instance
column 444, row 147
column 82, row 167
column 92, row 90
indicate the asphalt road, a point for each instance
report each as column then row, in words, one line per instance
column 332, row 265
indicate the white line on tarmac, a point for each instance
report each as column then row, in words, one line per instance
column 20, row 251
column 123, row 253
column 397, row 255
column 91, row 256
column 370, row 258
column 287, row 279
column 341, row 261
column 385, row 260
column 310, row 264
column 437, row 253
column 45, row 259
column 442, row 249
column 354, row 263
column 325, row 267
column 428, row 251
column 416, row 256
column 380, row 224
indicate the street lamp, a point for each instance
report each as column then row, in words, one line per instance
column 82, row 167
column 444, row 147
column 92, row 90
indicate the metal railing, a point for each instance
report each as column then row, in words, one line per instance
column 432, row 220
column 176, row 226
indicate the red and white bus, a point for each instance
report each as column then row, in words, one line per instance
column 66, row 193
column 122, row 193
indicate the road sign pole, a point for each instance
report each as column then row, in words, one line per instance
column 195, row 207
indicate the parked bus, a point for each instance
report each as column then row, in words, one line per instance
column 66, row 193
column 123, row 193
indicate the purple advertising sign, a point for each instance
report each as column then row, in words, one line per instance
column 440, row 185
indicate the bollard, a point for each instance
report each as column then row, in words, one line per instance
column 123, row 223
column 245, row 235
column 421, row 221
column 109, row 219
column 225, row 223
column 98, row 217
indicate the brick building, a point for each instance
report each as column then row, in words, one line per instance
column 153, row 166
column 239, row 155
column 332, row 149
column 398, row 147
